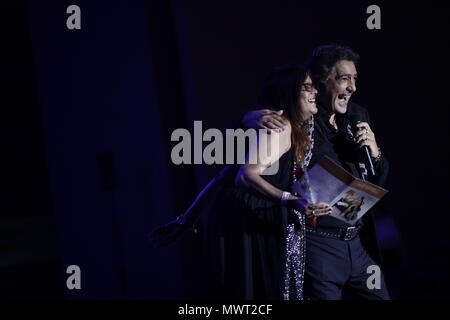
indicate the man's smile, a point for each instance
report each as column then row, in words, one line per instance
column 342, row 99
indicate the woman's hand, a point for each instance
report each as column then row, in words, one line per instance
column 168, row 233
column 172, row 231
column 316, row 209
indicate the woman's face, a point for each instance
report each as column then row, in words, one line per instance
column 307, row 99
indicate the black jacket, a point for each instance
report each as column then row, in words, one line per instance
column 338, row 146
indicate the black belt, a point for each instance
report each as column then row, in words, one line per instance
column 346, row 234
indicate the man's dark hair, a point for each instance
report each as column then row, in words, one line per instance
column 324, row 57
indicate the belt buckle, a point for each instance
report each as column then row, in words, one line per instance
column 348, row 233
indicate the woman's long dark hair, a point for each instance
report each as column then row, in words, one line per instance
column 281, row 91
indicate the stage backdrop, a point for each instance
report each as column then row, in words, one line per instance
column 111, row 94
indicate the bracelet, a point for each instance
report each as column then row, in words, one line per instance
column 285, row 197
column 379, row 156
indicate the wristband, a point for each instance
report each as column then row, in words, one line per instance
column 379, row 156
column 285, row 197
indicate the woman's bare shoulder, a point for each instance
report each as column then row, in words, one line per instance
column 283, row 137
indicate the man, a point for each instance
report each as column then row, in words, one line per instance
column 338, row 256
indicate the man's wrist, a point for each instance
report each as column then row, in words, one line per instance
column 245, row 121
column 377, row 157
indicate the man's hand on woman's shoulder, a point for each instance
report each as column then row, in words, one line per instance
column 265, row 119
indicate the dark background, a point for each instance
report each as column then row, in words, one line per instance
column 87, row 117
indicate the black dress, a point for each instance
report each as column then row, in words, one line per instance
column 246, row 239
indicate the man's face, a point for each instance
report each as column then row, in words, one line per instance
column 340, row 85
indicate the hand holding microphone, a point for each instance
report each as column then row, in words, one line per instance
column 365, row 138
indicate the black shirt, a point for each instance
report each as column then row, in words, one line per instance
column 337, row 145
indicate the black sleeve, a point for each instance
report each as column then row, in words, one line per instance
column 237, row 124
column 381, row 170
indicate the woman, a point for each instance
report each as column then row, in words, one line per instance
column 255, row 228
